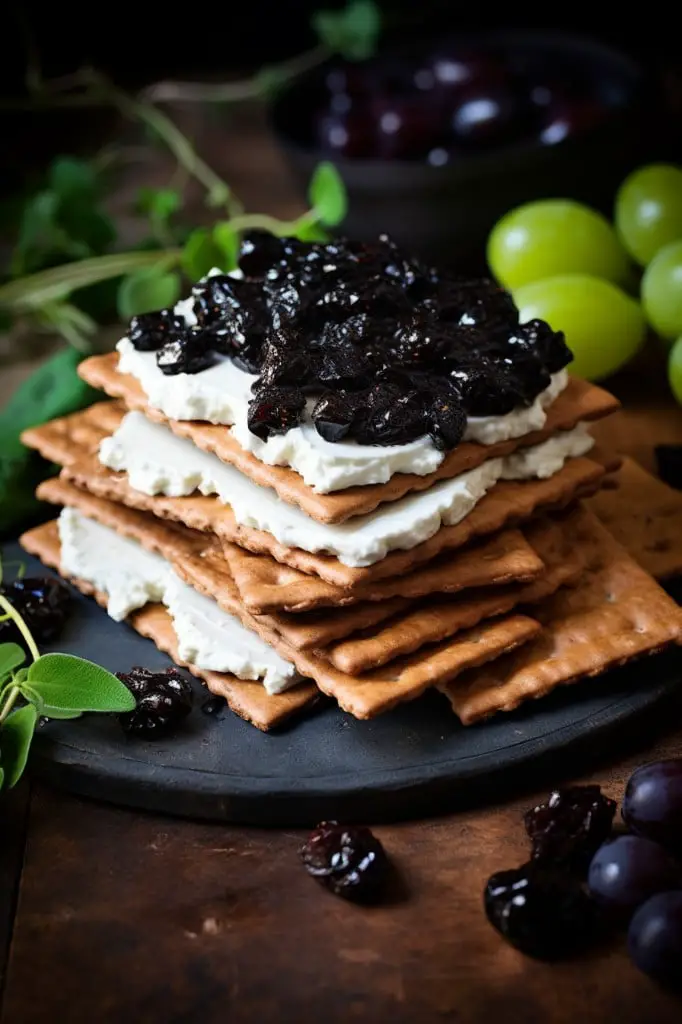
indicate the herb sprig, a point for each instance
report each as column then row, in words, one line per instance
column 52, row 686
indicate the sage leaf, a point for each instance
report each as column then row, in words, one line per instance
column 64, row 681
column 71, row 178
column 159, row 204
column 227, row 241
column 15, row 742
column 312, row 232
column 201, row 254
column 11, row 657
column 147, row 290
column 327, row 194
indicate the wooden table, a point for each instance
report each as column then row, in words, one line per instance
column 110, row 916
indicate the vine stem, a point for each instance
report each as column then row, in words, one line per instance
column 21, row 626
column 239, row 91
column 9, row 703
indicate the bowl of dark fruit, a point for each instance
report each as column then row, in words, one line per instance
column 436, row 142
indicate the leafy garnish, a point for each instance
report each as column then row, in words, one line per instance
column 147, row 290
column 53, row 686
column 353, row 31
column 327, row 195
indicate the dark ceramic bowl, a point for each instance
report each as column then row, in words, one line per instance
column 445, row 213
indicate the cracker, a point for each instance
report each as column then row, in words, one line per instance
column 645, row 516
column 579, row 401
column 617, row 613
column 364, row 696
column 268, row 586
column 435, row 620
column 249, row 700
column 72, row 440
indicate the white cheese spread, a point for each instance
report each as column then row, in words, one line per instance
column 131, row 576
column 158, row 462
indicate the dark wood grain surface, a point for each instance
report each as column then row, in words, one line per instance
column 126, row 917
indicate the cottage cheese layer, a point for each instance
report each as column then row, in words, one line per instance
column 221, row 393
column 158, row 462
column 131, row 576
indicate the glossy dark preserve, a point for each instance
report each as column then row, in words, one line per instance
column 542, row 911
column 42, row 601
column 346, row 859
column 387, row 349
column 164, row 699
column 570, row 827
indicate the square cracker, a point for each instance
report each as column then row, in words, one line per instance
column 268, row 586
column 364, row 696
column 645, row 516
column 579, row 401
column 72, row 441
column 501, row 558
column 434, row 620
column 248, row 699
column 617, row 613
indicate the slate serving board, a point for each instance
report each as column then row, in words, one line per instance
column 414, row 761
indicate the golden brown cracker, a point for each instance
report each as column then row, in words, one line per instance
column 248, row 699
column 370, row 694
column 268, row 586
column 579, row 401
column 645, row 516
column 72, row 441
column 434, row 620
column 616, row 613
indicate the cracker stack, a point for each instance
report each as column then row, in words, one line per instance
column 525, row 593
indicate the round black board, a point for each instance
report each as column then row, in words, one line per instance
column 415, row 760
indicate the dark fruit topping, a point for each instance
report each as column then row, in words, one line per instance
column 274, row 411
column 347, row 317
column 149, row 331
column 42, row 602
column 186, row 352
column 348, row 860
column 543, row 912
column 571, row 826
column 164, row 699
column 214, row 705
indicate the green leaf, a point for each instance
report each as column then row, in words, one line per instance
column 2, row 777
column 352, row 32
column 327, row 194
column 71, row 178
column 15, row 742
column 312, row 232
column 73, row 684
column 11, row 657
column 146, row 291
column 54, row 389
column 227, row 240
column 201, row 254
column 42, row 239
column 158, row 203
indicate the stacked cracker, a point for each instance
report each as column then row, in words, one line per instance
column 525, row 593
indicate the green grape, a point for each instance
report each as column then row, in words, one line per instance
column 555, row 236
column 662, row 291
column 604, row 327
column 675, row 369
column 649, row 210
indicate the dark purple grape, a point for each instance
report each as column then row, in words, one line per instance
column 488, row 116
column 568, row 829
column 187, row 352
column 274, row 411
column 348, row 860
column 626, row 871
column 350, row 133
column 43, row 602
column 283, row 360
column 149, row 331
column 164, row 699
column 543, row 912
column 652, row 805
column 655, row 938
column 568, row 117
column 334, row 415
